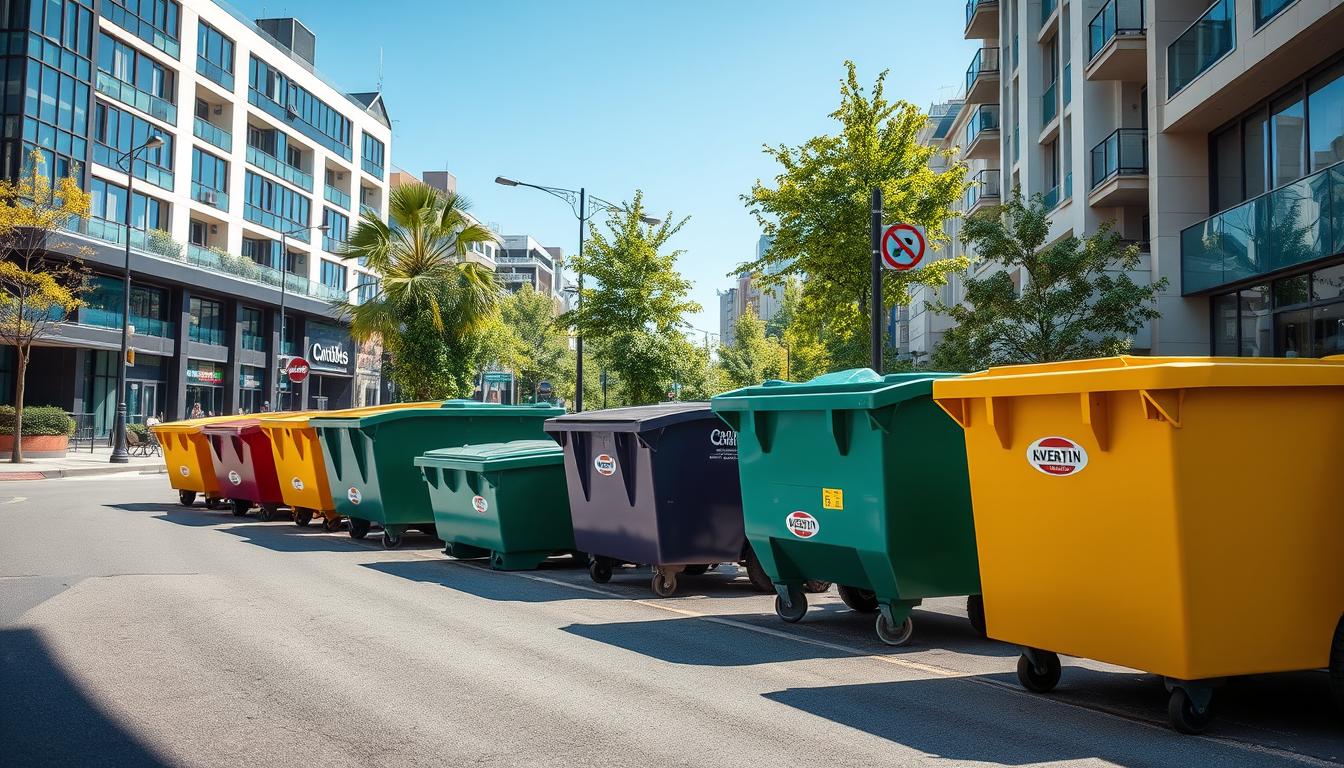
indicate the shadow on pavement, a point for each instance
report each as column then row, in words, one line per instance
column 481, row 582
column 635, row 582
column 697, row 642
column 194, row 517
column 46, row 720
column 285, row 536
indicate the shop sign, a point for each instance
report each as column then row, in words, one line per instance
column 204, row 373
column 329, row 348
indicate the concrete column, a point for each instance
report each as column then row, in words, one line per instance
column 176, row 404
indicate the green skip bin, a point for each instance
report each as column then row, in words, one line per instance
column 859, row 479
column 505, row 501
column 370, row 458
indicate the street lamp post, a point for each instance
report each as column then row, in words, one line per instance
column 119, row 453
column 284, row 273
column 578, row 202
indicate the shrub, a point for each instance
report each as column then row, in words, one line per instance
column 38, row 420
column 162, row 243
column 139, row 430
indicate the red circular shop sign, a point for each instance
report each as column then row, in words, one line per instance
column 296, row 369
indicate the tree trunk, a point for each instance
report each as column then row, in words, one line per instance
column 16, row 455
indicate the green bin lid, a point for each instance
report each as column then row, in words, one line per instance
column 634, row 418
column 857, row 389
column 451, row 409
column 489, row 457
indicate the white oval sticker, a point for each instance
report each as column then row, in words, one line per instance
column 297, row 483
column 1057, row 456
column 605, row 465
column 802, row 525
column 184, row 470
column 479, row 504
column 354, row 496
column 235, row 478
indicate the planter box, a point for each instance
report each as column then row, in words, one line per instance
column 37, row 446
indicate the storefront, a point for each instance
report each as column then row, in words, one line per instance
column 251, row 395
column 331, row 363
column 205, row 386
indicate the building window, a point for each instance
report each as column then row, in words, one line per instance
column 107, row 202
column 1325, row 106
column 116, row 132
column 251, row 393
column 1265, row 10
column 372, row 156
column 367, row 286
column 214, row 55
column 1296, row 316
column 133, row 68
column 149, row 307
column 282, row 98
column 277, row 207
column 154, row 21
column 209, row 179
column 333, row 275
column 338, row 230
column 207, row 321
column 249, row 323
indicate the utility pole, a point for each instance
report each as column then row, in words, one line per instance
column 877, row 280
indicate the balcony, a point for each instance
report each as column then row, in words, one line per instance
column 299, row 230
column 1049, row 106
column 140, row 28
column 982, row 19
column 1047, row 29
column 113, row 158
column 111, row 318
column 1208, row 40
column 212, row 71
column 212, row 197
column 1068, row 83
column 128, row 94
column 982, row 77
column 212, row 134
column 369, row 209
column 982, row 133
column 985, row 191
column 254, row 343
column 332, row 245
column 1289, row 227
column 274, row 165
column 336, row 196
column 1117, row 43
column 1120, row 169
column 373, row 169
column 1051, row 199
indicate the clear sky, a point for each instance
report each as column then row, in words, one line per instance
column 673, row 97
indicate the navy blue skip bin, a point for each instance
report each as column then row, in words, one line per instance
column 652, row 485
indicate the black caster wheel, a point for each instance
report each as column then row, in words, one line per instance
column 897, row 635
column 1183, row 716
column 1041, row 680
column 816, row 587
column 331, row 524
column 302, row 517
column 861, row 600
column 213, row 502
column 358, row 528
column 975, row 613
column 697, row 570
column 186, row 498
column 267, row 512
column 240, row 507
column 430, row 530
column 599, row 571
column 664, row 584
column 391, row 540
column 760, row 581
column 795, row 612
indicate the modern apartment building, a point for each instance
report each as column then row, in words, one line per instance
column 748, row 293
column 258, row 150
column 524, row 261
column 1210, row 134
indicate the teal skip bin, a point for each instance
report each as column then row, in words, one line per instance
column 859, row 479
column 370, row 458
column 504, row 501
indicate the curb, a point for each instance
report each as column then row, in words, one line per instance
column 53, row 474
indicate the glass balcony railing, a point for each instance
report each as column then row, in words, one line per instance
column 1050, row 103
column 985, row 187
column 1116, row 18
column 1123, row 153
column 213, row 197
column 1047, row 7
column 1209, row 39
column 985, row 118
column 334, row 195
column 1295, row 224
column 369, row 209
column 111, row 318
column 973, row 5
column 160, row 177
column 280, row 168
column 332, row 245
column 128, row 94
column 298, row 230
column 1068, row 83
column 212, row 134
column 141, row 28
column 254, row 343
column 329, row 292
column 985, row 62
column 1051, row 199
column 213, row 71
column 205, row 335
column 1068, row 186
column 373, row 169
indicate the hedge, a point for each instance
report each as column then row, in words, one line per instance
column 37, row 420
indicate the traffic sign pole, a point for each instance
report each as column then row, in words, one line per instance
column 877, row 280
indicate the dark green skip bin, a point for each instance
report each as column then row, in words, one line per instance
column 506, row 501
column 371, row 458
column 858, row 479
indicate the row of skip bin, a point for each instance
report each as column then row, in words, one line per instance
column 1175, row 515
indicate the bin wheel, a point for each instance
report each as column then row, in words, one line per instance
column 268, row 512
column 359, row 528
column 240, row 507
column 302, row 517
column 898, row 635
column 1337, row 667
column 331, row 524
column 794, row 613
column 213, row 502
column 1183, row 715
column 187, row 498
column 756, row 574
column 697, row 570
column 975, row 613
column 664, row 584
column 599, row 571
column 1039, row 681
column 861, row 600
column 430, row 530
column 391, row 540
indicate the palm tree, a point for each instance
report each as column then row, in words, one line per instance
column 427, row 287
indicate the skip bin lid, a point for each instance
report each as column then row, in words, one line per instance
column 274, row 420
column 190, row 426
column 489, row 457
column 860, row 388
column 451, row 409
column 234, row 427
column 634, row 418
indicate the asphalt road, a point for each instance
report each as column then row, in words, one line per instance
column 135, row 632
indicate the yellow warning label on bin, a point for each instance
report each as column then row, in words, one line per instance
column 832, row 498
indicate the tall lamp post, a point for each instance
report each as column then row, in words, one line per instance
column 119, row 453
column 578, row 202
column 284, row 275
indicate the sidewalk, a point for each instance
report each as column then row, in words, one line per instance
column 78, row 464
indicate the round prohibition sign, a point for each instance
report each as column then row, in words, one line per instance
column 902, row 247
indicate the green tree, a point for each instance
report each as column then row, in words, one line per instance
column 818, row 212
column 752, row 357
column 432, row 307
column 542, row 351
column 1075, row 299
column 36, row 293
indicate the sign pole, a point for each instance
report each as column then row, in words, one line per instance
column 877, row 280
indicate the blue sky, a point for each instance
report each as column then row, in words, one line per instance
column 675, row 98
